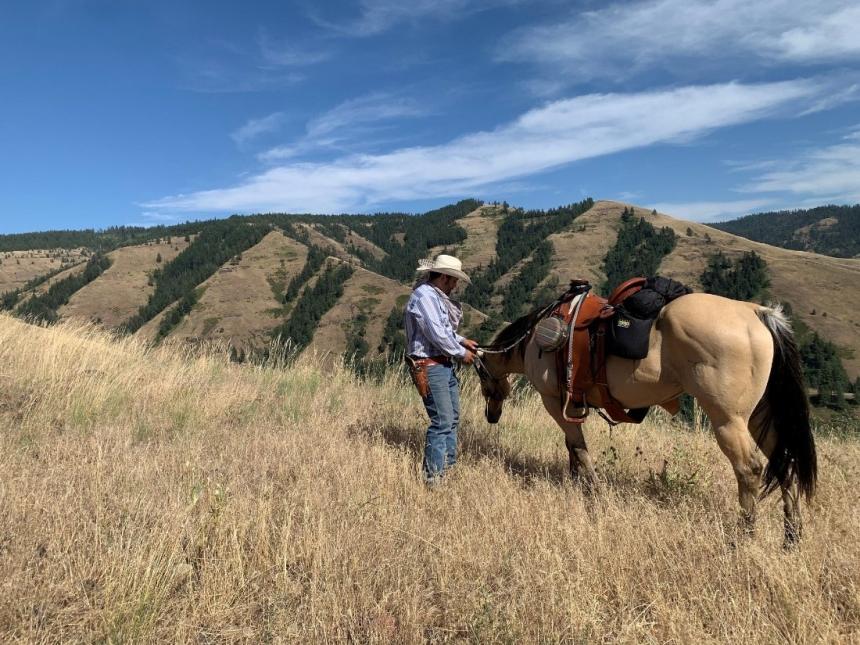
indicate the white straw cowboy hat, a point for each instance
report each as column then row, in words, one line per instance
column 447, row 264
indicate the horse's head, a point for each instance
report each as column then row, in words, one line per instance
column 495, row 390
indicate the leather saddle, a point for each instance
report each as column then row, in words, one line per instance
column 581, row 364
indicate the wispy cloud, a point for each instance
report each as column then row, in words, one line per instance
column 289, row 54
column 264, row 64
column 348, row 122
column 254, row 128
column 830, row 173
column 621, row 40
column 558, row 133
column 377, row 16
column 710, row 211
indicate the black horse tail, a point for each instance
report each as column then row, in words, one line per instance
column 783, row 412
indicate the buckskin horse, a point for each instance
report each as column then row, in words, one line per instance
column 738, row 359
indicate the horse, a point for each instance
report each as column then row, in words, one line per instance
column 738, row 359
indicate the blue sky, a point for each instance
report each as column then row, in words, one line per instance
column 119, row 112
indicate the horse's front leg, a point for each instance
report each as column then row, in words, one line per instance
column 581, row 467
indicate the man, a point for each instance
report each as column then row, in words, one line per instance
column 432, row 345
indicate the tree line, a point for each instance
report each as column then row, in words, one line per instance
column 103, row 240
column 311, row 306
column 315, row 258
column 831, row 230
column 745, row 278
column 638, row 250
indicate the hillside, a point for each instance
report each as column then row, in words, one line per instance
column 17, row 268
column 240, row 302
column 152, row 498
column 830, row 230
column 124, row 287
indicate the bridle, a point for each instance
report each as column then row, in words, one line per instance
column 484, row 374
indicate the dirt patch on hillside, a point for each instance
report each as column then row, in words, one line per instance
column 479, row 247
column 579, row 250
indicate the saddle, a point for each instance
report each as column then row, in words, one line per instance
column 581, row 365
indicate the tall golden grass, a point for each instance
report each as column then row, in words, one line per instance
column 147, row 496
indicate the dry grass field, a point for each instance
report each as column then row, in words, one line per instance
column 148, row 496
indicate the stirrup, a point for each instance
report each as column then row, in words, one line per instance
column 574, row 419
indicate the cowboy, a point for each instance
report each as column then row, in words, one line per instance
column 432, row 345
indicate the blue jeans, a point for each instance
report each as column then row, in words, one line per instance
column 443, row 408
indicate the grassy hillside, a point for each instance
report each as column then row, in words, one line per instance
column 239, row 305
column 830, row 230
column 17, row 268
column 125, row 286
column 151, row 498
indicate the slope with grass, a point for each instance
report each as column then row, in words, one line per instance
column 238, row 305
column 17, row 268
column 479, row 247
column 118, row 293
column 151, row 498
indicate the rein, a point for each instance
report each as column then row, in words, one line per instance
column 493, row 349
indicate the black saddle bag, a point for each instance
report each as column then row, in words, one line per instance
column 628, row 335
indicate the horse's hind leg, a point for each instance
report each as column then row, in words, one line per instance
column 735, row 441
column 792, row 522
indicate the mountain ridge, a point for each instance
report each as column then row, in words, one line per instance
column 239, row 305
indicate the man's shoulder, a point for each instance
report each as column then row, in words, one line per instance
column 423, row 292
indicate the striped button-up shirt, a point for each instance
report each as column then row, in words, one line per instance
column 428, row 328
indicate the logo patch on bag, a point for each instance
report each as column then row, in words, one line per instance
column 622, row 322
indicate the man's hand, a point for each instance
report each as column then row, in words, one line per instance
column 469, row 358
column 471, row 345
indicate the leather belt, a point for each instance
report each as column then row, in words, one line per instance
column 433, row 360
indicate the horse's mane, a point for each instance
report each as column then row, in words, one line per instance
column 518, row 329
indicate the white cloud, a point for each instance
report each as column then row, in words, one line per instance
column 377, row 16
column 558, row 133
column 828, row 174
column 710, row 211
column 620, row 40
column 349, row 121
column 253, row 128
